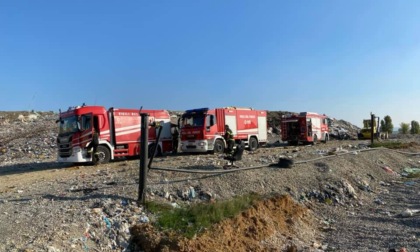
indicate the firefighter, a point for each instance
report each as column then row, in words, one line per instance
column 175, row 138
column 93, row 146
column 229, row 139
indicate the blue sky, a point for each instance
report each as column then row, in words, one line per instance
column 342, row 58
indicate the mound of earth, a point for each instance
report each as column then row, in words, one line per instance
column 274, row 224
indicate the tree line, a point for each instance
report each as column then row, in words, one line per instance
column 405, row 128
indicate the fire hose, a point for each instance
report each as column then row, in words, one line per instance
column 278, row 164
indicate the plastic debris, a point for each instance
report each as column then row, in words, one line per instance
column 192, row 193
column 410, row 183
column 389, row 170
column 411, row 172
column 107, row 222
column 144, row 219
column 409, row 212
column 379, row 201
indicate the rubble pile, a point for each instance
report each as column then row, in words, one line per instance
column 343, row 130
column 27, row 137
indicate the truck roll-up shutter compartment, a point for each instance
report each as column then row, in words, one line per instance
column 220, row 119
column 111, row 126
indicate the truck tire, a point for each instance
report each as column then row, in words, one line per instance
column 253, row 144
column 219, row 146
column 103, row 155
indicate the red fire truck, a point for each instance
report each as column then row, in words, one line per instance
column 305, row 127
column 202, row 129
column 119, row 133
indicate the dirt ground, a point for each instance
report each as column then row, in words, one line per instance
column 366, row 217
column 338, row 196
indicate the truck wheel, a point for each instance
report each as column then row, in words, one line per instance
column 219, row 146
column 103, row 155
column 253, row 144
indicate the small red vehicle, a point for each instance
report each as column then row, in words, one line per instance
column 305, row 127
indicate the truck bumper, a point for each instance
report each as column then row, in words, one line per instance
column 78, row 156
column 198, row 146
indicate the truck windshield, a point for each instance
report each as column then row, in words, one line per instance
column 192, row 120
column 68, row 125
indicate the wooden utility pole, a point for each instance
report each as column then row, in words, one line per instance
column 372, row 121
column 144, row 137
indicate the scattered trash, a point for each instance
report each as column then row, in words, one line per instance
column 349, row 188
column 85, row 246
column 208, row 196
column 382, row 183
column 52, row 249
column 409, row 212
column 107, row 222
column 167, row 195
column 97, row 210
column 84, row 190
column 379, row 201
column 144, row 219
column 322, row 167
column 409, row 183
column 337, row 150
column 363, row 146
column 192, row 193
column 389, row 170
column 175, row 205
column 411, row 172
column 364, row 185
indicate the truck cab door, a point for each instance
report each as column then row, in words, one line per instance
column 86, row 129
column 209, row 122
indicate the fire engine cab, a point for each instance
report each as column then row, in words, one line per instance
column 118, row 130
column 305, row 127
column 202, row 129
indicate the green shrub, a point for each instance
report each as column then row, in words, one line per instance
column 386, row 124
column 404, row 128
column 415, row 127
column 190, row 220
column 390, row 145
